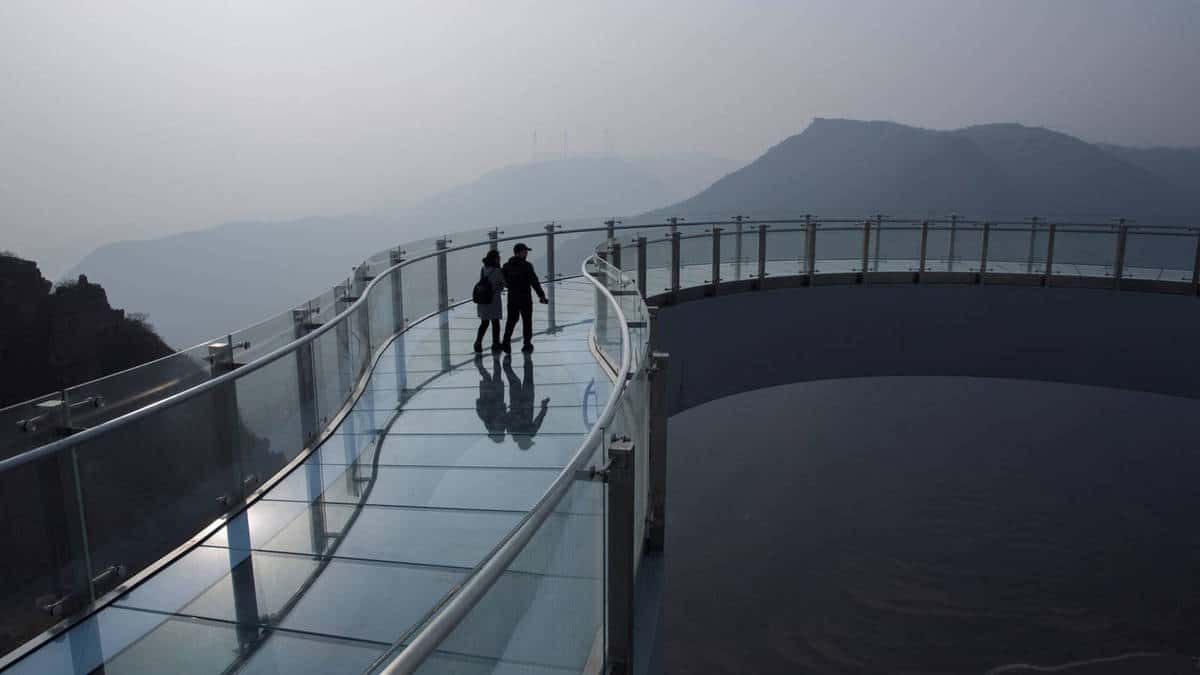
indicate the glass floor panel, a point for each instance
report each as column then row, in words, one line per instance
column 433, row 466
column 484, row 488
column 353, row 599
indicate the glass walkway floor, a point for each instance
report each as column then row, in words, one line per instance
column 440, row 458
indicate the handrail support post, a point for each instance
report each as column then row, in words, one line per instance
column 983, row 252
column 1049, row 271
column 675, row 263
column 866, row 251
column 641, row 266
column 1119, row 257
column 924, row 244
column 762, row 256
column 621, row 552
column 715, row 282
column 656, row 512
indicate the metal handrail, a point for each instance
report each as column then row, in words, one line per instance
column 455, row 609
column 266, row 359
column 257, row 364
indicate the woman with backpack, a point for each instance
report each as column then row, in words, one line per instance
column 487, row 300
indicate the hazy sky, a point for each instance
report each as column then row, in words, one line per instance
column 124, row 119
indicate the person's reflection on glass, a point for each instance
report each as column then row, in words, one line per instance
column 490, row 404
column 521, row 392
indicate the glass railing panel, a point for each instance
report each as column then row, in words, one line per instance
column 30, row 424
column 44, row 560
column 383, row 301
column 1084, row 251
column 739, row 252
column 838, row 248
column 263, row 337
column 268, row 430
column 547, row 610
column 334, row 370
column 20, row 426
column 1007, row 248
column 463, row 269
column 658, row 264
column 151, row 484
column 1160, row 253
column 787, row 251
column 964, row 247
column 895, row 247
column 605, row 327
column 630, row 421
column 419, row 288
column 570, row 250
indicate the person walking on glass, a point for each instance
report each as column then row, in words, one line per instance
column 522, row 281
column 487, row 300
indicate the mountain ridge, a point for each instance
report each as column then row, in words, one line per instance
column 851, row 168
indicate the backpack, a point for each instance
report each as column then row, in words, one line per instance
column 483, row 293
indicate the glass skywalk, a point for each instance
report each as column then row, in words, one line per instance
column 454, row 517
column 441, row 456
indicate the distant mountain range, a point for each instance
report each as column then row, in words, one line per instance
column 198, row 285
column 846, row 168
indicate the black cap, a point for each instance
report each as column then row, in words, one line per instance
column 521, row 247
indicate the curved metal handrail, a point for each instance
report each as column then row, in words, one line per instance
column 448, row 616
column 255, row 365
column 266, row 359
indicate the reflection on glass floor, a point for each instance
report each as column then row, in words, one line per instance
column 441, row 457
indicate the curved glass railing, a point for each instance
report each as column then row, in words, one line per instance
column 199, row 433
column 100, row 510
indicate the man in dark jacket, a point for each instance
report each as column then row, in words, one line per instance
column 522, row 281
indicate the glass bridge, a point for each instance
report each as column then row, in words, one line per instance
column 347, row 487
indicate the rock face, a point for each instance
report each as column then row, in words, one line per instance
column 57, row 337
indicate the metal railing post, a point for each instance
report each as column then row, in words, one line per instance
column 493, row 236
column 621, row 547
column 1119, row 258
column 1033, row 231
column 716, row 259
column 737, row 248
column 227, row 423
column 306, row 377
column 1049, row 256
column 656, row 511
column 878, row 238
column 550, row 271
column 804, row 257
column 443, row 286
column 342, row 300
column 924, row 243
column 601, row 303
column 675, row 263
column 395, row 257
column 65, row 524
column 641, row 266
column 810, row 247
column 866, row 251
column 762, row 255
column 983, row 252
column 953, row 234
column 610, row 228
column 362, row 279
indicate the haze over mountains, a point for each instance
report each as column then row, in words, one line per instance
column 845, row 168
column 196, row 285
column 199, row 284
